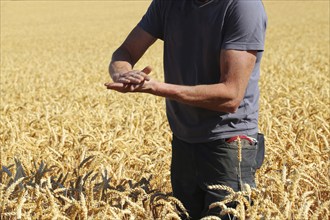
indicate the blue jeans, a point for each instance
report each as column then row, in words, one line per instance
column 196, row 166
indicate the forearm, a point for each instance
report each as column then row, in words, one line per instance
column 217, row 97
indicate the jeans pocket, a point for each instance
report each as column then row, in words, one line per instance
column 249, row 155
column 247, row 164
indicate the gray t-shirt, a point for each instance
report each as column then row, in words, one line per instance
column 193, row 36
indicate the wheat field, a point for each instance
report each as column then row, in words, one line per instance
column 70, row 149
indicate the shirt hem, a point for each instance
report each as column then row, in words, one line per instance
column 223, row 135
column 231, row 46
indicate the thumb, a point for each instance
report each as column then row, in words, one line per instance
column 147, row 70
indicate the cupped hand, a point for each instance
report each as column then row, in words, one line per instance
column 132, row 81
column 145, row 86
column 133, row 76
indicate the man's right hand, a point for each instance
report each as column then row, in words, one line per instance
column 133, row 76
column 132, row 81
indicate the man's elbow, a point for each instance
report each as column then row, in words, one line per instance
column 232, row 105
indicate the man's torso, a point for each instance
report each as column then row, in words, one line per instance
column 193, row 37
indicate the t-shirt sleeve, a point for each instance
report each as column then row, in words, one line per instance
column 151, row 22
column 245, row 26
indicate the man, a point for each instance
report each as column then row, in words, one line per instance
column 212, row 54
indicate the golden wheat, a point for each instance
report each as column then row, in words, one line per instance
column 71, row 149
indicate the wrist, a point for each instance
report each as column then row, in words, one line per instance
column 150, row 87
column 114, row 76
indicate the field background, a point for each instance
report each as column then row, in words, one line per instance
column 114, row 149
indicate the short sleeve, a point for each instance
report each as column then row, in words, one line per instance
column 151, row 22
column 245, row 26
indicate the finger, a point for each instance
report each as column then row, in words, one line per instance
column 134, row 80
column 138, row 75
column 127, row 80
column 114, row 86
column 123, row 80
column 145, row 76
column 146, row 70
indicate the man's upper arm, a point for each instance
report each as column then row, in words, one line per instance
column 137, row 42
column 236, row 68
column 244, row 36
